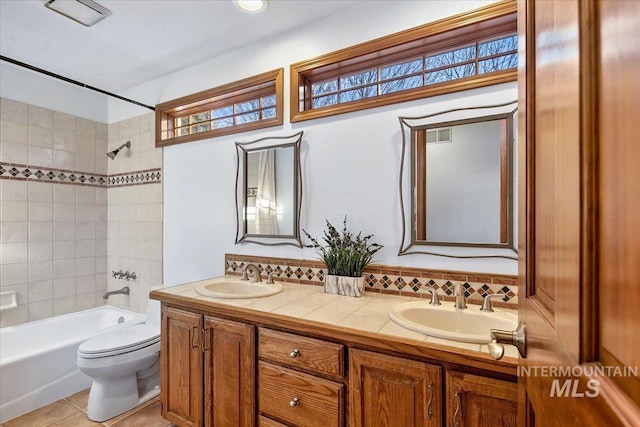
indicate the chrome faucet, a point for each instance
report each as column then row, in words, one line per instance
column 123, row 291
column 461, row 300
column 251, row 268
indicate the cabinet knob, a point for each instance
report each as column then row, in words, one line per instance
column 293, row 403
column 295, row 353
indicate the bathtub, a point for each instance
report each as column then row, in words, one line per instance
column 38, row 359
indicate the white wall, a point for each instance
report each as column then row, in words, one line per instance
column 350, row 162
column 29, row 87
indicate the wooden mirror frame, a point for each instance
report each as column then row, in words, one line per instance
column 414, row 210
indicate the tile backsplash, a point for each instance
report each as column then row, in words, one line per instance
column 407, row 281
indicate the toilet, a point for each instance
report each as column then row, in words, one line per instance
column 124, row 365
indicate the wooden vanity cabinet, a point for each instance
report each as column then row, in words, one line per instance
column 392, row 391
column 476, row 401
column 300, row 380
column 207, row 370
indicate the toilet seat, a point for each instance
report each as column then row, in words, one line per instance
column 120, row 341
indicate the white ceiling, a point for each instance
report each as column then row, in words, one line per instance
column 144, row 39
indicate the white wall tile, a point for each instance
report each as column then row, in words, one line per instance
column 85, row 212
column 64, row 194
column 63, row 306
column 14, row 111
column 12, row 152
column 40, row 231
column 40, row 192
column 64, row 159
column 86, row 248
column 14, row 132
column 64, row 230
column 64, row 249
column 64, row 140
column 85, row 266
column 86, row 283
column 40, row 251
column 40, row 310
column 64, row 287
column 40, row 156
column 13, row 232
column 40, row 291
column 85, row 230
column 22, row 292
column 42, row 137
column 64, row 121
column 14, row 274
column 85, row 127
column 40, row 211
column 64, row 268
column 14, row 190
column 64, row 212
column 40, row 271
column 14, row 253
column 14, row 211
column 85, row 301
column 85, row 195
column 41, row 117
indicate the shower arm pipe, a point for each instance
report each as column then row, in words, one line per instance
column 75, row 82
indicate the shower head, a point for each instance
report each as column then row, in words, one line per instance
column 112, row 154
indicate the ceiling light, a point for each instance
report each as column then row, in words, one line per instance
column 251, row 6
column 86, row 12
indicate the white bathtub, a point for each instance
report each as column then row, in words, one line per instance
column 38, row 359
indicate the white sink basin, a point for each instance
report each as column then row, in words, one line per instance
column 224, row 287
column 444, row 321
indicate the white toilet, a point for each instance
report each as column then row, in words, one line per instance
column 124, row 365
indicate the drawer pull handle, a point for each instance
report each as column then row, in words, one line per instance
column 295, row 353
column 293, row 403
column 458, row 409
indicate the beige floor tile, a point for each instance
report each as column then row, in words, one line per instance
column 43, row 416
column 79, row 419
column 79, row 399
column 120, row 417
column 149, row 416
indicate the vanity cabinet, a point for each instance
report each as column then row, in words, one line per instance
column 476, row 401
column 300, row 380
column 393, row 391
column 207, row 370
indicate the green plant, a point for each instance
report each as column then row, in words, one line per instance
column 343, row 254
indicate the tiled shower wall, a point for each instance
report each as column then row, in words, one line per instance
column 53, row 235
column 70, row 216
column 135, row 211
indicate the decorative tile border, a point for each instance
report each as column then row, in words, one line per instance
column 406, row 281
column 66, row 176
column 147, row 176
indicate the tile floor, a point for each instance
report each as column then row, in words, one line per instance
column 72, row 412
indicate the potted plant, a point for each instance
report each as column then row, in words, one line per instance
column 345, row 257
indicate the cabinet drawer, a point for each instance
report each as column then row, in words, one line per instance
column 268, row 422
column 309, row 354
column 298, row 398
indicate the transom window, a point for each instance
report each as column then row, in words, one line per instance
column 248, row 104
column 474, row 49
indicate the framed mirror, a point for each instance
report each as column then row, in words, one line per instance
column 269, row 191
column 457, row 183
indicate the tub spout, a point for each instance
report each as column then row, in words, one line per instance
column 124, row 291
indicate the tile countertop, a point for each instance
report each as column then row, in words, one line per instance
column 366, row 314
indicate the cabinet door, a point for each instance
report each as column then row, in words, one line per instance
column 181, row 367
column 391, row 391
column 229, row 372
column 476, row 401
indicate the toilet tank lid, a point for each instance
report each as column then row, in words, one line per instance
column 121, row 338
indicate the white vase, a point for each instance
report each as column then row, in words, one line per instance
column 344, row 285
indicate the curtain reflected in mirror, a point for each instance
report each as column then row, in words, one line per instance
column 268, row 191
column 457, row 189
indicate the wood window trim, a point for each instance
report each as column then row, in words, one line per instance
column 399, row 46
column 238, row 91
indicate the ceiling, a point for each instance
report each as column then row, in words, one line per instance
column 144, row 39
